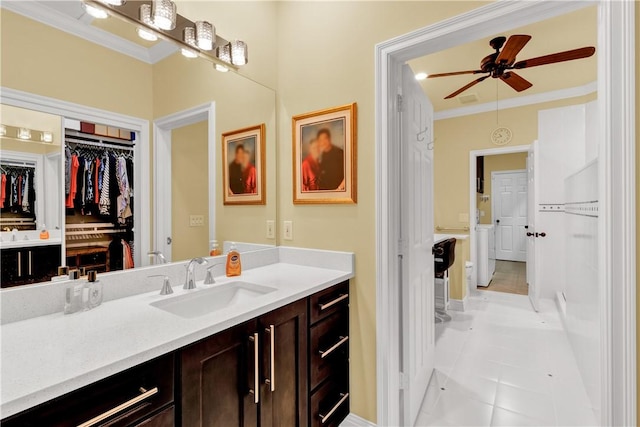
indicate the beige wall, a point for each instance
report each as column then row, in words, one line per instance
column 189, row 191
column 637, row 94
column 501, row 162
column 455, row 137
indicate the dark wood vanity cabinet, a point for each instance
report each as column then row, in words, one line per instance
column 286, row 368
column 35, row 264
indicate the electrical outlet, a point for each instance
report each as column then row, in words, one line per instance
column 196, row 220
column 271, row 229
column 288, row 230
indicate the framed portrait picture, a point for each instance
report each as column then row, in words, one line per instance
column 324, row 156
column 243, row 166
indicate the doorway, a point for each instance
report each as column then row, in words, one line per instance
column 618, row 171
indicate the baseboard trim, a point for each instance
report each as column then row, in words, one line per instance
column 458, row 304
column 353, row 420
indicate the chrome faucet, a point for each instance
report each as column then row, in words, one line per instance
column 209, row 280
column 159, row 255
column 190, row 282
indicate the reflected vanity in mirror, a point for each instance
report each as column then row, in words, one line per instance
column 133, row 173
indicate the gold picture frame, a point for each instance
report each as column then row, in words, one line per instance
column 244, row 166
column 325, row 156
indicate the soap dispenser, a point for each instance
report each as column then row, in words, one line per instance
column 234, row 266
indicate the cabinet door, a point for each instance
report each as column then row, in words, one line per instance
column 45, row 262
column 285, row 361
column 11, row 268
column 219, row 376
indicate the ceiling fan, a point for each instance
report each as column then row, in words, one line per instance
column 498, row 65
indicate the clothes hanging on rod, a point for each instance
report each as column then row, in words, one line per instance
column 17, row 193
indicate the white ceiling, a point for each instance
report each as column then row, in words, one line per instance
column 571, row 31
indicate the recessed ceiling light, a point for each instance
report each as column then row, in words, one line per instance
column 421, row 76
column 95, row 11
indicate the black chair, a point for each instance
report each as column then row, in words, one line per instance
column 444, row 256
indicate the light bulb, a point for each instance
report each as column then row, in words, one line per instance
column 188, row 53
column 239, row 52
column 205, row 35
column 47, row 136
column 222, row 68
column 96, row 12
column 164, row 14
column 146, row 35
column 24, row 133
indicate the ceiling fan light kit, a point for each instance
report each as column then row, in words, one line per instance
column 501, row 63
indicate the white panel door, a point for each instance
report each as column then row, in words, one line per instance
column 418, row 324
column 534, row 290
column 509, row 192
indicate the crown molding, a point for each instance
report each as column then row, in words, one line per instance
column 521, row 101
column 82, row 28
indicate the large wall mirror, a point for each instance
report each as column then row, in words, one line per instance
column 125, row 155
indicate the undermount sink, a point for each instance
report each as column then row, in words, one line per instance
column 203, row 301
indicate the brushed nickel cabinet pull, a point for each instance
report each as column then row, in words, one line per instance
column 30, row 257
column 271, row 330
column 325, row 353
column 19, row 264
column 256, row 365
column 342, row 297
column 325, row 418
column 129, row 403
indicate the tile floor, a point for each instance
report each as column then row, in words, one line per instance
column 499, row 363
column 510, row 277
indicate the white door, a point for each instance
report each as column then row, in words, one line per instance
column 532, row 164
column 509, row 193
column 416, row 231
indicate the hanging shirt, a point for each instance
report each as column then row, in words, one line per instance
column 67, row 170
column 127, row 255
column 3, row 189
column 18, row 202
column 73, row 178
column 124, row 211
column 105, row 202
column 98, row 181
column 25, row 194
column 13, row 196
column 89, row 188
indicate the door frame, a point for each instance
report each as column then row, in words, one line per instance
column 71, row 110
column 162, row 130
column 493, row 199
column 616, row 105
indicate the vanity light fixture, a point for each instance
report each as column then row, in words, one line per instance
column 3, row 130
column 205, row 35
column 47, row 136
column 239, row 53
column 188, row 53
column 189, row 36
column 145, row 18
column 221, row 68
column 224, row 53
column 24, row 133
column 164, row 14
column 96, row 12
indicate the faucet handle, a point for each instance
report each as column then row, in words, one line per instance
column 166, row 285
column 209, row 280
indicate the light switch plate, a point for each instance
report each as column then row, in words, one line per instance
column 288, row 230
column 196, row 220
column 271, row 229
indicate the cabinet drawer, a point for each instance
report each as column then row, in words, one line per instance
column 120, row 400
column 330, row 348
column 166, row 418
column 329, row 301
column 330, row 404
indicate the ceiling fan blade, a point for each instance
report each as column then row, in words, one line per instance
column 512, row 48
column 456, row 73
column 515, row 81
column 568, row 55
column 462, row 89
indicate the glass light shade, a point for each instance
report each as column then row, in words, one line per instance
column 239, row 52
column 224, row 53
column 96, row 12
column 47, row 136
column 113, row 2
column 189, row 36
column 3, row 130
column 188, row 53
column 205, row 35
column 222, row 68
column 24, row 133
column 164, row 14
column 146, row 35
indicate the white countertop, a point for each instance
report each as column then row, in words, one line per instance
column 47, row 356
column 29, row 243
column 437, row 238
